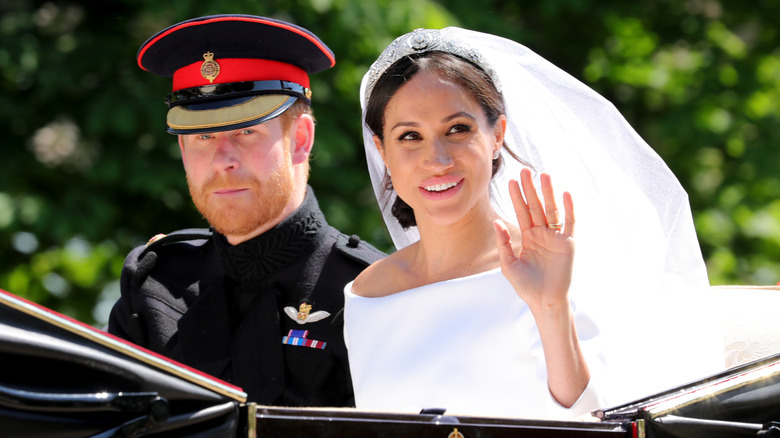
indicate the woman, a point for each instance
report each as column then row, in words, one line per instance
column 473, row 314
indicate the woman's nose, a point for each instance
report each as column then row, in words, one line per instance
column 439, row 155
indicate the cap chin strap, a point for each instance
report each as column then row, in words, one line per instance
column 225, row 92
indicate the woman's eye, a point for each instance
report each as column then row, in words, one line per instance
column 409, row 136
column 460, row 128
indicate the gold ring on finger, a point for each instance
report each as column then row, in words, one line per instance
column 557, row 226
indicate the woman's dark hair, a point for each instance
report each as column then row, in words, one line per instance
column 470, row 77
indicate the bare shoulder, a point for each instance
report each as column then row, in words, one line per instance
column 384, row 277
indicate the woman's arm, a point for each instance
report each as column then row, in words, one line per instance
column 567, row 370
column 540, row 270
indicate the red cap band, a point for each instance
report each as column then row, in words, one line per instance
column 239, row 70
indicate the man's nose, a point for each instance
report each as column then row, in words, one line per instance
column 226, row 154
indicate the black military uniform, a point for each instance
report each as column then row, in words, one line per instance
column 241, row 312
column 265, row 314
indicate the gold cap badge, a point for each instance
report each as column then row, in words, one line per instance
column 455, row 434
column 209, row 69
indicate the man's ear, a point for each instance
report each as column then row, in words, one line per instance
column 302, row 138
column 181, row 147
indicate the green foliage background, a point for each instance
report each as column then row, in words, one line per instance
column 87, row 170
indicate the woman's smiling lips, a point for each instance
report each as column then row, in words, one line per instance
column 438, row 188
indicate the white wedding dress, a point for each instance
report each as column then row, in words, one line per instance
column 468, row 345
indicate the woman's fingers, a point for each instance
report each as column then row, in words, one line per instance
column 533, row 203
column 521, row 209
column 531, row 212
column 550, row 206
column 506, row 253
column 568, row 206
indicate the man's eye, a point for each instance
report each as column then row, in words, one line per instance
column 246, row 131
column 204, row 136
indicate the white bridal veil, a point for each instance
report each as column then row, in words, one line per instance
column 638, row 266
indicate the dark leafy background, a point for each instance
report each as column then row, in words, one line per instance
column 87, row 170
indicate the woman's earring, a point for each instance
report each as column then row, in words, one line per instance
column 496, row 154
column 388, row 172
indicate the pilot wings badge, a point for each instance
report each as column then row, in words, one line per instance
column 304, row 314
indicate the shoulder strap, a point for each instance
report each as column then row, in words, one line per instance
column 177, row 236
column 148, row 256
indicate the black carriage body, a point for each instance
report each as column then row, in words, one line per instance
column 62, row 378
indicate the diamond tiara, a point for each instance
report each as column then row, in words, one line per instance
column 421, row 41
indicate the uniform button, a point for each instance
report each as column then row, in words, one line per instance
column 353, row 241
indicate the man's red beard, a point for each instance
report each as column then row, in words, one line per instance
column 238, row 217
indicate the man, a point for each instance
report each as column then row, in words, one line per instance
column 257, row 299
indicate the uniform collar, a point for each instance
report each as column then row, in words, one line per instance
column 275, row 249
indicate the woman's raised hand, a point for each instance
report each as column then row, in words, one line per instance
column 540, row 270
column 540, row 266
